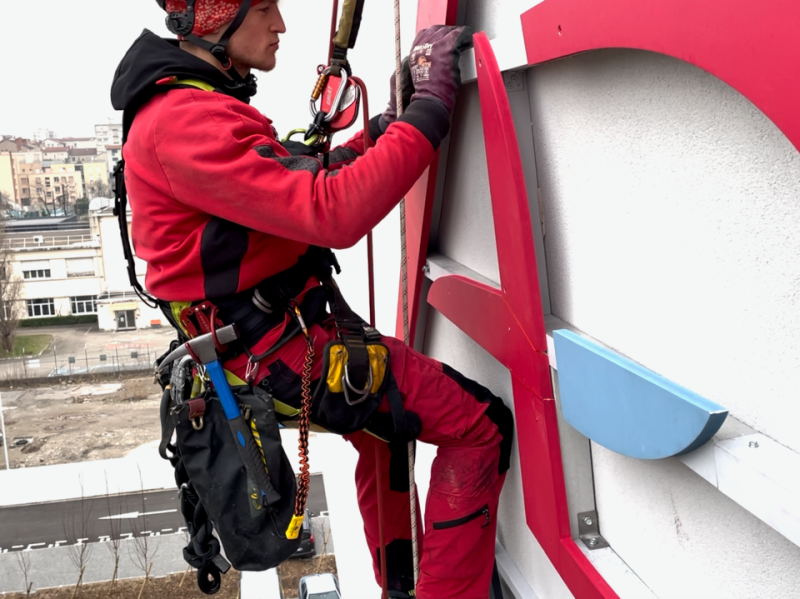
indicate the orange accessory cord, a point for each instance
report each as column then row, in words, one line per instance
column 304, row 479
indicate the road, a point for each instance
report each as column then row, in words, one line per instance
column 57, row 524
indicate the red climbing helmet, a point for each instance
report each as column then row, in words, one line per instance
column 191, row 19
column 200, row 17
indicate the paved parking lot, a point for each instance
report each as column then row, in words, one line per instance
column 78, row 349
column 74, row 340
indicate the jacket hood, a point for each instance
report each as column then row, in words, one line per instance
column 152, row 58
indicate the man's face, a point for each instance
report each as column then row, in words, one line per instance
column 255, row 43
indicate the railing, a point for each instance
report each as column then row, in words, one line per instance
column 131, row 358
column 53, row 241
column 117, row 296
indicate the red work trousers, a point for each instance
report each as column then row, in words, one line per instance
column 472, row 429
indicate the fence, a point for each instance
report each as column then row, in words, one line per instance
column 50, row 241
column 53, row 363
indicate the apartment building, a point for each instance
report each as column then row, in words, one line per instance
column 71, row 142
column 56, row 154
column 39, row 184
column 7, row 175
column 108, row 135
column 42, row 134
column 113, row 155
column 94, row 172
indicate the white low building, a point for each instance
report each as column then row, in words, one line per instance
column 118, row 306
column 60, row 269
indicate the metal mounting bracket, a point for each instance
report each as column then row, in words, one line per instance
column 589, row 530
column 514, row 81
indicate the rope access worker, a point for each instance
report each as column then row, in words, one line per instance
column 223, row 213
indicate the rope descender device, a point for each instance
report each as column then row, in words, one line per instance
column 336, row 98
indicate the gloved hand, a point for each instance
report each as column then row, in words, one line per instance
column 435, row 73
column 390, row 114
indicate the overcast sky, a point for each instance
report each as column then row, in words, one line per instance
column 61, row 56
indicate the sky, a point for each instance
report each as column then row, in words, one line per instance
column 65, row 54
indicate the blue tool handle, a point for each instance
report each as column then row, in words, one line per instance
column 245, row 443
column 251, row 456
column 226, row 398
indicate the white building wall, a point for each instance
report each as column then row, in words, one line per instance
column 671, row 214
column 58, row 286
column 672, row 218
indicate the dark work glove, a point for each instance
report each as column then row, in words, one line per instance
column 390, row 114
column 435, row 73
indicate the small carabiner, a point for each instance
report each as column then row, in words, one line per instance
column 361, row 393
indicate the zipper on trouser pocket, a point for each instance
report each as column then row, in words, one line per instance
column 484, row 511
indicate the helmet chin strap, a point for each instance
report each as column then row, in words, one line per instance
column 219, row 49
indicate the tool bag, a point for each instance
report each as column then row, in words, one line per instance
column 215, row 489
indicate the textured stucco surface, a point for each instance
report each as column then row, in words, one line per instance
column 449, row 344
column 672, row 216
column 671, row 209
column 684, row 538
column 466, row 230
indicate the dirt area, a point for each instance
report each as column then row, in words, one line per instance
column 155, row 588
column 81, row 421
column 293, row 570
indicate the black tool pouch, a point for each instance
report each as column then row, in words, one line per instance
column 349, row 392
column 216, row 489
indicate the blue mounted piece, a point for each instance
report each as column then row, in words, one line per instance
column 627, row 408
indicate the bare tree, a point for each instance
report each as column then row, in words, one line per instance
column 145, row 544
column 76, row 529
column 10, row 292
column 99, row 189
column 5, row 201
column 24, row 564
column 114, row 538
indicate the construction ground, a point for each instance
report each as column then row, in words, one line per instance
column 87, row 418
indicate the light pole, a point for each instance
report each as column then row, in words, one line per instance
column 3, row 427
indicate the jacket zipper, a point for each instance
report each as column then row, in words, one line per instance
column 453, row 523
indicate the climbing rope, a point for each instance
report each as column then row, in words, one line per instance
column 412, row 486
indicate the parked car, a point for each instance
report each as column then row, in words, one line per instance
column 306, row 549
column 320, row 586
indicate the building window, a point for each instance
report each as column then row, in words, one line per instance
column 84, row 304
column 37, row 274
column 80, row 267
column 41, row 307
column 56, row 179
column 47, row 182
column 38, row 269
column 24, row 190
column 58, row 190
column 49, row 195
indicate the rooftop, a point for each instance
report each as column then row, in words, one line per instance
column 58, row 149
column 83, row 152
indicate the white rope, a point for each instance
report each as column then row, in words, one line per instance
column 412, row 487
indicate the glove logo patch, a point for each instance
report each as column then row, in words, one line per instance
column 421, row 70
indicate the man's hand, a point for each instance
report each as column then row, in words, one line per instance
column 390, row 114
column 435, row 73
